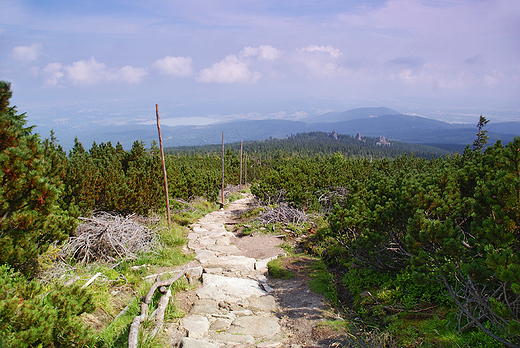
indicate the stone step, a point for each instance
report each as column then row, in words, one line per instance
column 233, row 308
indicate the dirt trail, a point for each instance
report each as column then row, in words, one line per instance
column 238, row 304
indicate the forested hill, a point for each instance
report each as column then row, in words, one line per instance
column 320, row 143
column 371, row 122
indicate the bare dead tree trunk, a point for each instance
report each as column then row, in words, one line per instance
column 164, row 168
column 245, row 173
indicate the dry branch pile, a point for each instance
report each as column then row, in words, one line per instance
column 107, row 237
column 283, row 214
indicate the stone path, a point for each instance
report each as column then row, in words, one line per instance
column 234, row 307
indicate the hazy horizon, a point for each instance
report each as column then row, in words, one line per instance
column 75, row 64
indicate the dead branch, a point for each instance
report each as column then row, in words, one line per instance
column 283, row 214
column 159, row 312
column 134, row 328
column 91, row 280
column 107, row 237
column 136, row 323
column 160, row 283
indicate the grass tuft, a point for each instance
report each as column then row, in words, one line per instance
column 277, row 270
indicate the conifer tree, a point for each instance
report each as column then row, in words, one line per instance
column 482, row 136
column 30, row 218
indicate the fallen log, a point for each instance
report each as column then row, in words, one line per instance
column 136, row 323
column 160, row 283
column 134, row 328
column 159, row 312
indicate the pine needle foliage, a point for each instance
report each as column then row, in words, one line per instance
column 30, row 216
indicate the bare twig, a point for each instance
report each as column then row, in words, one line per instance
column 283, row 214
column 107, row 237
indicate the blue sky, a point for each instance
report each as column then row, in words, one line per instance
column 81, row 63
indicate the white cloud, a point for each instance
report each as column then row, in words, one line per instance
column 490, row 81
column 26, row 53
column 230, row 70
column 177, row 66
column 333, row 52
column 436, row 77
column 128, row 74
column 86, row 72
column 53, row 73
column 264, row 52
column 90, row 72
column 319, row 61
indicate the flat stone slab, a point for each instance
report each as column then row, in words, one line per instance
column 199, row 230
column 228, row 289
column 270, row 345
column 263, row 304
column 204, row 255
column 196, row 326
column 223, row 240
column 225, row 250
column 231, row 262
column 258, row 327
column 205, row 306
column 193, row 236
column 206, row 241
column 187, row 342
column 220, row 325
column 231, row 338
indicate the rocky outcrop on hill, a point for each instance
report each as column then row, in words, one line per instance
column 333, row 135
column 358, row 137
column 383, row 142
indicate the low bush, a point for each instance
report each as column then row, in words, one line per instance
column 32, row 315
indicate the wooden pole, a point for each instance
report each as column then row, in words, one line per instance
column 245, row 173
column 163, row 168
column 222, row 168
column 240, row 184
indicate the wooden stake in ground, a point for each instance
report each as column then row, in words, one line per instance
column 222, row 168
column 240, row 184
column 164, row 168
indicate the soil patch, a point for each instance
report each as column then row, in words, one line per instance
column 259, row 246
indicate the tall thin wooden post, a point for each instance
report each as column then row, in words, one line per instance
column 240, row 184
column 222, row 168
column 164, row 168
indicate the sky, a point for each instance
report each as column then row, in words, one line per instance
column 84, row 63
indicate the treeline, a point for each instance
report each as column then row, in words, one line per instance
column 319, row 144
column 110, row 178
column 418, row 233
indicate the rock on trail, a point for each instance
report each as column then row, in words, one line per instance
column 233, row 307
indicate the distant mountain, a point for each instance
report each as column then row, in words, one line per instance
column 505, row 127
column 369, row 122
column 353, row 114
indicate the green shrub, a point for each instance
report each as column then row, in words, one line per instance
column 33, row 316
